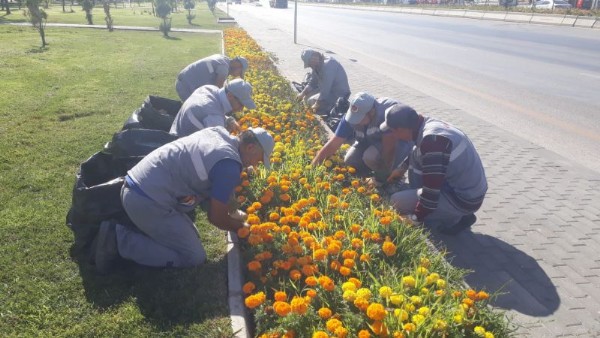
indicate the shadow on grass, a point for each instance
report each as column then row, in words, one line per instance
column 497, row 266
column 171, row 38
column 166, row 297
column 38, row 49
column 15, row 13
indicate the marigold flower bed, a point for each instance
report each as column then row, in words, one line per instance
column 325, row 256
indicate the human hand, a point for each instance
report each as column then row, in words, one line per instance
column 238, row 215
column 233, row 126
column 396, row 175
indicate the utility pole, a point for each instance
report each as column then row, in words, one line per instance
column 296, row 20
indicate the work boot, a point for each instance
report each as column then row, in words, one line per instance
column 464, row 223
column 107, row 252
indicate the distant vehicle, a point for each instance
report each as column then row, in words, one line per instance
column 237, row 2
column 551, row 4
column 278, row 3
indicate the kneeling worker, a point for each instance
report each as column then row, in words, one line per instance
column 173, row 180
column 446, row 176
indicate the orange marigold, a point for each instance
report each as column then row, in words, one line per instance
column 324, row 313
column 280, row 296
column 248, row 287
column 282, row 308
column 311, row 281
column 388, row 248
column 320, row 255
column 333, row 324
column 254, row 266
column 299, row 305
column 376, row 311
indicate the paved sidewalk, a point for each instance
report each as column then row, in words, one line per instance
column 538, row 234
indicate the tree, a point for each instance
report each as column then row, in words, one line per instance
column 63, row 5
column 189, row 5
column 163, row 11
column 88, row 6
column 5, row 5
column 108, row 17
column 37, row 17
column 211, row 5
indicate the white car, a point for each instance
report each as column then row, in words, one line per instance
column 551, row 4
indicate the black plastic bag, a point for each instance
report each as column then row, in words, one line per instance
column 155, row 113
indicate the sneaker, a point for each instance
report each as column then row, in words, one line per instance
column 106, row 253
column 464, row 223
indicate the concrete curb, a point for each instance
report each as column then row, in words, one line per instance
column 534, row 18
column 237, row 309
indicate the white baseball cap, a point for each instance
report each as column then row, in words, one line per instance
column 267, row 143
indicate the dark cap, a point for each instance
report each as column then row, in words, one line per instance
column 399, row 116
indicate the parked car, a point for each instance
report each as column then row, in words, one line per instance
column 551, row 4
column 278, row 3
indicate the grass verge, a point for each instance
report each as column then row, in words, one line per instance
column 59, row 105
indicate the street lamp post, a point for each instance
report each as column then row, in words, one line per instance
column 295, row 20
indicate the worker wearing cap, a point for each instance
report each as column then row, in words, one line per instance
column 173, row 180
column 210, row 106
column 361, row 123
column 446, row 176
column 328, row 78
column 211, row 70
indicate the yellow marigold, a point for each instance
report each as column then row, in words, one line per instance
column 248, row 287
column 397, row 299
column 416, row 300
column 432, row 278
column 422, row 270
column 364, row 293
column 280, row 296
column 418, row 319
column 349, row 295
column 425, row 262
column 424, row 310
column 324, row 313
column 398, row 334
column 489, row 335
column 440, row 283
column 320, row 255
column 375, row 198
column 480, row 331
column 355, row 281
column 299, row 305
column 333, row 324
column 409, row 281
column 458, row 318
column 348, row 286
column 282, row 308
column 440, row 325
column 376, row 311
column 401, row 314
column 388, row 248
column 385, row 291
column 364, row 334
column 320, row 334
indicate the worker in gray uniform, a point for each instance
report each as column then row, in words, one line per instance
column 170, row 182
column 210, row 106
column 211, row 70
column 328, row 82
column 361, row 124
column 446, row 177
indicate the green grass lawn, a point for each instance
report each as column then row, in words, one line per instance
column 134, row 15
column 58, row 106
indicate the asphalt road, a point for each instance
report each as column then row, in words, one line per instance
column 539, row 82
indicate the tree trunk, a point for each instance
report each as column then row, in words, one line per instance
column 43, row 35
column 63, row 4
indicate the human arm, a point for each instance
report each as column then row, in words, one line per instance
column 388, row 150
column 435, row 157
column 222, row 72
column 332, row 145
column 224, row 177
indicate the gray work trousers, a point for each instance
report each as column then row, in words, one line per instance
column 325, row 105
column 444, row 215
column 169, row 236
